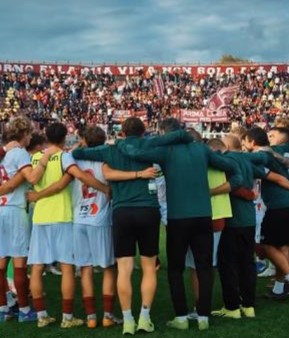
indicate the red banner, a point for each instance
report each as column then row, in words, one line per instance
column 216, row 110
column 147, row 69
column 120, row 115
column 204, row 115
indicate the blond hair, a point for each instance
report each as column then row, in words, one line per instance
column 281, row 122
column 232, row 142
column 238, row 131
column 17, row 128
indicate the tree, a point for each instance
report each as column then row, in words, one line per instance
column 230, row 59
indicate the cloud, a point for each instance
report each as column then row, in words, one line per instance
column 146, row 30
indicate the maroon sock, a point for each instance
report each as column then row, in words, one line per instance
column 20, row 281
column 108, row 303
column 67, row 306
column 3, row 284
column 39, row 304
column 89, row 305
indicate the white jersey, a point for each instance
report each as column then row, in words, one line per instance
column 161, row 191
column 260, row 209
column 15, row 160
column 90, row 206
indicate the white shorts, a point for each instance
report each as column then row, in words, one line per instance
column 14, row 232
column 93, row 245
column 51, row 243
column 260, row 213
column 164, row 213
column 190, row 261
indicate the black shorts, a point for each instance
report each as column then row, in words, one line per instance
column 136, row 226
column 275, row 227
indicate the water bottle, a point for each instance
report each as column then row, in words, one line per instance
column 152, row 187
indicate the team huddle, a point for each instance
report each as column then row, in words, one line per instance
column 95, row 205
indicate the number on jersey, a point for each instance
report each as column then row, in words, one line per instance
column 88, row 192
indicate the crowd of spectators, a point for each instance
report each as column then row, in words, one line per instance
column 84, row 98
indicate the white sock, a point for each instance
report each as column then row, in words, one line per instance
column 67, row 316
column 182, row 318
column 25, row 309
column 145, row 312
column 91, row 316
column 10, row 299
column 107, row 315
column 286, row 278
column 4, row 308
column 203, row 318
column 42, row 314
column 278, row 287
column 127, row 315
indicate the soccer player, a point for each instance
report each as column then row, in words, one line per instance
column 189, row 215
column 221, row 209
column 93, row 237
column 52, row 238
column 236, row 261
column 14, row 229
column 274, row 228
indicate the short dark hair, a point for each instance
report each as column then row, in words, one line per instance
column 258, row 135
column 170, row 124
column 133, row 126
column 81, row 131
column 94, row 136
column 282, row 130
column 36, row 140
column 56, row 133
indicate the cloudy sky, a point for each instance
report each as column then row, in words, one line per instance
column 144, row 30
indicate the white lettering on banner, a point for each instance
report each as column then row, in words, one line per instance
column 167, row 69
column 43, row 68
column 201, row 70
column 125, row 70
column 107, row 70
column 71, row 69
column 132, row 70
column 243, row 70
column 18, row 68
column 187, row 70
column 137, row 69
column 211, row 71
column 273, row 69
column 192, row 113
column 229, row 70
column 13, row 68
column 28, row 68
column 204, row 115
column 85, row 70
column 261, row 70
column 122, row 70
column 151, row 70
column 7, row 68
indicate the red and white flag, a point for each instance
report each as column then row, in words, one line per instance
column 159, row 86
column 222, row 98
